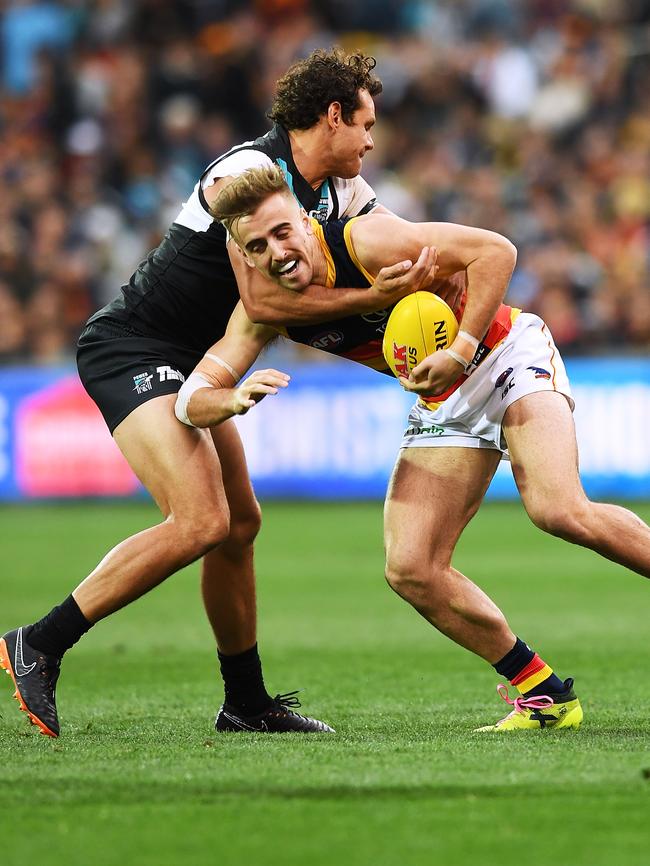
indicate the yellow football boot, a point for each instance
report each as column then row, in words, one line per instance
column 539, row 712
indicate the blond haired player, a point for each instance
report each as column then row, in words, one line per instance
column 514, row 395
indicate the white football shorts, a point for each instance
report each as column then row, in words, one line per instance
column 526, row 362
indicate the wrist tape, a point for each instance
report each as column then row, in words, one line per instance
column 469, row 339
column 464, row 364
column 193, row 383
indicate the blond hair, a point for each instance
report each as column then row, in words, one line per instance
column 246, row 193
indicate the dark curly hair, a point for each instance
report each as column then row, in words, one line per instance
column 306, row 90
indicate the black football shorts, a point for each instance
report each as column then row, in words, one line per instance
column 120, row 369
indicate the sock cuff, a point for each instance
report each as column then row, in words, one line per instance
column 515, row 660
column 249, row 655
column 60, row 629
column 70, row 608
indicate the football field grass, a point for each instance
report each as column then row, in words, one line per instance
column 140, row 777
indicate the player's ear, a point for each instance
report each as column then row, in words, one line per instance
column 242, row 252
column 248, row 261
column 334, row 116
column 304, row 218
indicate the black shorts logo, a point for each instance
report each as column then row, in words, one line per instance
column 142, row 382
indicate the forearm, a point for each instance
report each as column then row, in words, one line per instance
column 211, row 394
column 268, row 303
column 208, row 407
column 204, row 402
column 488, row 277
column 312, row 305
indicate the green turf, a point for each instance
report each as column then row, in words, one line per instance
column 139, row 777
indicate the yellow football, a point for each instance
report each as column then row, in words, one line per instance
column 420, row 324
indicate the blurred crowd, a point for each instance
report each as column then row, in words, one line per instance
column 529, row 117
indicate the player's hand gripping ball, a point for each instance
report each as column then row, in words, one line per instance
column 419, row 325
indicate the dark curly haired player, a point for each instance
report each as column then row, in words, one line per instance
column 135, row 353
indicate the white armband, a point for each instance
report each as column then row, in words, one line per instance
column 193, row 383
column 225, row 365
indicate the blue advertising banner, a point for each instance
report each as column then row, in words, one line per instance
column 334, row 433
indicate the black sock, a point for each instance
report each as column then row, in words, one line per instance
column 244, row 683
column 60, row 629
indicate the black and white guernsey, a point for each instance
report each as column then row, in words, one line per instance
column 185, row 289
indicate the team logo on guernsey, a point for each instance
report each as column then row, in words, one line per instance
column 142, row 382
column 540, row 372
column 376, row 317
column 502, row 378
column 319, row 213
column 327, row 340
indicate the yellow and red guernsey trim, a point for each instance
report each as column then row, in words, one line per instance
column 347, row 228
column 535, row 672
column 370, row 354
column 496, row 334
column 320, row 237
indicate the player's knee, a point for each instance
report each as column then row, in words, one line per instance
column 245, row 526
column 215, row 531
column 405, row 578
column 567, row 521
column 202, row 533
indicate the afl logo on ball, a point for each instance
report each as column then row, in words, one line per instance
column 328, row 340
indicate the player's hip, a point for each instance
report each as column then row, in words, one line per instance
column 122, row 370
column 527, row 362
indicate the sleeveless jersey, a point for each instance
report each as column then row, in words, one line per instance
column 185, row 290
column 359, row 337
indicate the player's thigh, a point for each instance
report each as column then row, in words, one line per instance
column 177, row 464
column 244, row 508
column 433, row 494
column 540, row 433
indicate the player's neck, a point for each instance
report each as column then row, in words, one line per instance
column 307, row 148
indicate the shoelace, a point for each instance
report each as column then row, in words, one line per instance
column 289, row 700
column 521, row 702
column 50, row 673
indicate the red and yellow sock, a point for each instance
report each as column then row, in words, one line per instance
column 527, row 672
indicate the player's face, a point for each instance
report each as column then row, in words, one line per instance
column 275, row 240
column 351, row 142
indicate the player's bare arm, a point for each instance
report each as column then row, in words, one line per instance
column 270, row 304
column 214, row 391
column 487, row 260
